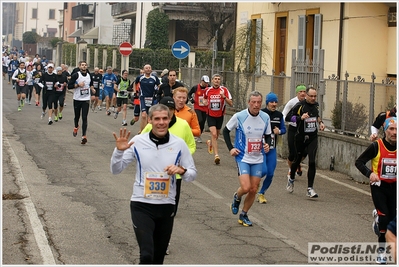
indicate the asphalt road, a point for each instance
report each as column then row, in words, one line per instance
column 61, row 204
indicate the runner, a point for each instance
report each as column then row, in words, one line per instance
column 14, row 63
column 29, row 91
column 59, row 97
column 379, row 121
column 96, row 78
column 48, row 81
column 383, row 176
column 82, row 84
column 216, row 98
column 148, row 89
column 278, row 128
column 109, row 80
column 196, row 96
column 36, row 75
column 306, row 116
column 20, row 77
column 292, row 128
column 122, row 87
column 252, row 139
column 180, row 95
column 136, row 101
column 153, row 208
column 166, row 89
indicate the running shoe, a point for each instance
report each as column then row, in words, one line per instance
column 244, row 220
column 50, row 121
column 60, row 115
column 375, row 226
column 84, row 140
column 262, row 199
column 37, row 104
column 22, row 103
column 19, row 108
column 199, row 140
column 116, row 115
column 108, row 112
column 311, row 193
column 29, row 103
column 99, row 108
column 236, row 204
column 56, row 119
column 217, row 159
column 42, row 116
column 132, row 122
column 75, row 131
column 299, row 170
column 290, row 185
column 13, row 87
column 210, row 148
column 381, row 256
column 124, row 123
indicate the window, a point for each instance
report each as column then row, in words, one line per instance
column 392, row 17
column 34, row 13
column 33, row 30
column 51, row 14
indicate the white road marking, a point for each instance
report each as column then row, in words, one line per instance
column 37, row 227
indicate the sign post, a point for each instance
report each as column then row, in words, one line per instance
column 180, row 50
column 125, row 49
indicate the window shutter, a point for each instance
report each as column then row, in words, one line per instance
column 301, row 37
column 248, row 45
column 317, row 38
column 258, row 45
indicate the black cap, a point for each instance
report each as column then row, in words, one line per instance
column 168, row 101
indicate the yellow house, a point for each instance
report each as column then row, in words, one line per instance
column 357, row 38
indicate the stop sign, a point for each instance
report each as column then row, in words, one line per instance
column 125, row 48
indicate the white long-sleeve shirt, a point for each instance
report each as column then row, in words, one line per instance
column 152, row 160
column 290, row 104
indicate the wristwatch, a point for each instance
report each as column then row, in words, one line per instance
column 183, row 169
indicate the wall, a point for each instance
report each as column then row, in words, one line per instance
column 42, row 17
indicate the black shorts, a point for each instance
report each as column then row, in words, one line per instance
column 20, row 89
column 97, row 93
column 215, row 121
column 121, row 101
column 5, row 69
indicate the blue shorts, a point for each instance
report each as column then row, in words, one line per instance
column 251, row 169
column 109, row 92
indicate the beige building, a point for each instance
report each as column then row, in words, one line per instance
column 368, row 35
column 358, row 39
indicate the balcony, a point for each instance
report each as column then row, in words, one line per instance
column 82, row 12
column 192, row 10
column 123, row 10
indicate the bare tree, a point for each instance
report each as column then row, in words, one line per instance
column 218, row 17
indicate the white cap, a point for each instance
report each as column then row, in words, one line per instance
column 50, row 65
column 205, row 78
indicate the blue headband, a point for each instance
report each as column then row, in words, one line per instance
column 389, row 121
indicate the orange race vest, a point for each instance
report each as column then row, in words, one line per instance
column 384, row 164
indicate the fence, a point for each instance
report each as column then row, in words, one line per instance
column 348, row 107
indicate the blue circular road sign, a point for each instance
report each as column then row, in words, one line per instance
column 180, row 49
